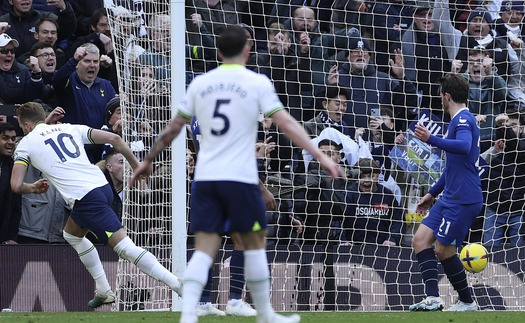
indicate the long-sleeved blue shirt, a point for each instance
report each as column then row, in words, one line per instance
column 460, row 182
column 83, row 105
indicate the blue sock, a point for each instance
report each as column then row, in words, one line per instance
column 428, row 267
column 206, row 292
column 457, row 277
column 236, row 274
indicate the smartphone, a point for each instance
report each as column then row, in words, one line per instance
column 375, row 112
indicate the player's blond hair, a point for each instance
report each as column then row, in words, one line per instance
column 31, row 111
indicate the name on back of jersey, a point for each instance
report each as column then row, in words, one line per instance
column 51, row 131
column 223, row 88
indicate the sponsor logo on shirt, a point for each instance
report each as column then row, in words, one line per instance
column 379, row 210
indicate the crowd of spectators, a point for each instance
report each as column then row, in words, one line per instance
column 354, row 73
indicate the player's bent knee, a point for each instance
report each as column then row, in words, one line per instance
column 126, row 249
column 123, row 247
column 420, row 242
column 254, row 240
column 71, row 239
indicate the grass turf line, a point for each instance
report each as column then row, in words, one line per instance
column 324, row 317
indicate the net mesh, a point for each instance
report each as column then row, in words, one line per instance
column 327, row 251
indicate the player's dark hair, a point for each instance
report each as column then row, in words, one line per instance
column 455, row 85
column 328, row 142
column 232, row 41
column 6, row 127
column 31, row 111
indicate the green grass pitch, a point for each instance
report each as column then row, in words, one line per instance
column 323, row 317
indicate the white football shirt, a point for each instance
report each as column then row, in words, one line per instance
column 58, row 152
column 226, row 102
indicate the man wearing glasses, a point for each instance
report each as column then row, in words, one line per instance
column 47, row 61
column 18, row 83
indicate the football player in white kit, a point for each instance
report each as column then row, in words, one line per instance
column 58, row 152
column 227, row 102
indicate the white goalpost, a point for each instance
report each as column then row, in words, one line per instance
column 154, row 214
column 160, row 46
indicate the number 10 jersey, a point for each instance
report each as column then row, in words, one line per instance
column 58, row 152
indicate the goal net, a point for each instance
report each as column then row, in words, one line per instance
column 359, row 75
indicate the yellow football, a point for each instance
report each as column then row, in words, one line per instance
column 474, row 257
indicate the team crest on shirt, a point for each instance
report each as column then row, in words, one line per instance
column 462, row 122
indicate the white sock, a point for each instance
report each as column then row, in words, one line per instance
column 195, row 279
column 89, row 256
column 257, row 277
column 146, row 262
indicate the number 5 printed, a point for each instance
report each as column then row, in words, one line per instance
column 217, row 114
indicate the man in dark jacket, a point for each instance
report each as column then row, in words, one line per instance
column 290, row 70
column 10, row 203
column 390, row 20
column 22, row 19
column 82, row 94
column 369, row 88
column 334, row 102
column 323, row 215
column 506, row 185
column 18, row 83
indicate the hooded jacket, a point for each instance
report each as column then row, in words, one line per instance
column 371, row 89
column 18, row 86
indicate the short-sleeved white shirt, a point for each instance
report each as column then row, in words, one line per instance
column 58, row 152
column 227, row 102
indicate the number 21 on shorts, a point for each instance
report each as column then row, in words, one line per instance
column 443, row 228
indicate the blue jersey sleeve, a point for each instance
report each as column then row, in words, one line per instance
column 460, row 145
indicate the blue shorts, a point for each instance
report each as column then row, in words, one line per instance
column 219, row 205
column 451, row 222
column 94, row 212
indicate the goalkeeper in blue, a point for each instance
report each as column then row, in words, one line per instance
column 227, row 102
column 451, row 217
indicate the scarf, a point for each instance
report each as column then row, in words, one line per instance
column 484, row 41
column 326, row 120
column 513, row 32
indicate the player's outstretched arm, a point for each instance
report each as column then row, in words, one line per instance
column 460, row 145
column 20, row 187
column 298, row 135
column 105, row 137
column 165, row 138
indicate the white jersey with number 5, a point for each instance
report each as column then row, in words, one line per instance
column 226, row 102
column 58, row 152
